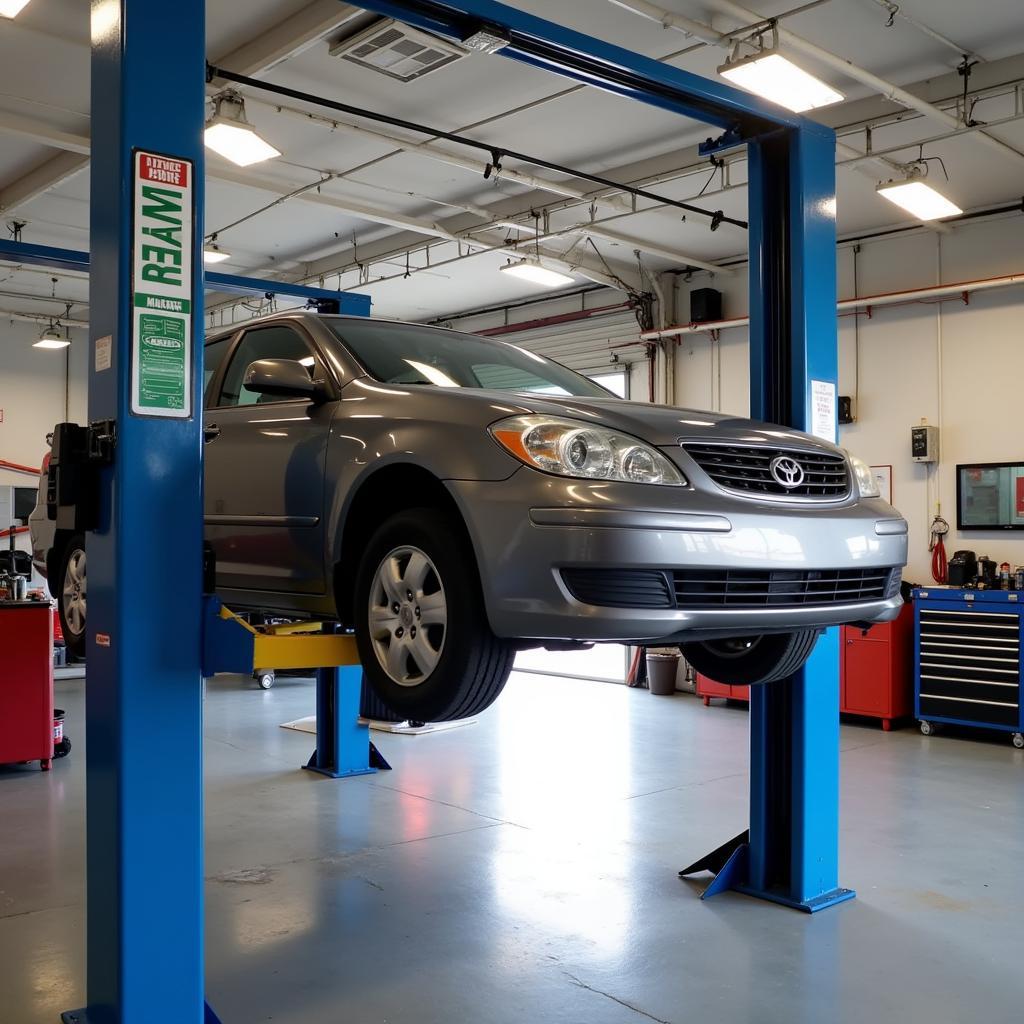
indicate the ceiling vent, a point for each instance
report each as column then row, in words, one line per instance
column 396, row 50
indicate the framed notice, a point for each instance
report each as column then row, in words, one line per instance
column 883, row 477
column 162, row 299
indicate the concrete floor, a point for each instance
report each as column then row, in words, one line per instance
column 523, row 869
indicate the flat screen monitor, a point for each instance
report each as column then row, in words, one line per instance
column 24, row 502
column 990, row 496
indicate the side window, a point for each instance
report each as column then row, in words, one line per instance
column 213, row 356
column 261, row 343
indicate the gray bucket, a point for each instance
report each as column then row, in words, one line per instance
column 661, row 674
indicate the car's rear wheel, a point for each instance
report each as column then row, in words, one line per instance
column 71, row 599
column 750, row 660
column 424, row 641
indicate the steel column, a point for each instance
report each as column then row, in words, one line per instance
column 144, row 699
column 790, row 855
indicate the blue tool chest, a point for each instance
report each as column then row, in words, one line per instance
column 967, row 658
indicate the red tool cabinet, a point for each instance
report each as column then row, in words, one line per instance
column 26, row 682
column 708, row 688
column 876, row 669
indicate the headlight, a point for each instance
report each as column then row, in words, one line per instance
column 867, row 485
column 583, row 450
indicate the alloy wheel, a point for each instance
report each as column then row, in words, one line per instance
column 73, row 596
column 408, row 615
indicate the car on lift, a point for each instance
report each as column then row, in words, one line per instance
column 453, row 499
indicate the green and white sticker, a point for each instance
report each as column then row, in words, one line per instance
column 162, row 287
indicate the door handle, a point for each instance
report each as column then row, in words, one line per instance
column 210, row 431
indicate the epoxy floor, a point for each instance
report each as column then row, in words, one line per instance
column 523, row 870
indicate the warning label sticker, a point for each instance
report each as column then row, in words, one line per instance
column 162, row 286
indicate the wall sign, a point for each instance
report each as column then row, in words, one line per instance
column 823, row 410
column 162, row 296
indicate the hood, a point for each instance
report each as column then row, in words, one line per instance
column 659, row 425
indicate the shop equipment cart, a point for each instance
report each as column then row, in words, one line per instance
column 967, row 659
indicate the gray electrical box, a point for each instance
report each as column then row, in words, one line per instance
column 924, row 444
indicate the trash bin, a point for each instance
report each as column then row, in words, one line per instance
column 661, row 672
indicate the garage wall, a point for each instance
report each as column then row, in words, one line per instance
column 32, row 392
column 960, row 366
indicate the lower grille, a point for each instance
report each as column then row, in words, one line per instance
column 745, row 588
column 620, row 588
column 729, row 588
column 748, row 470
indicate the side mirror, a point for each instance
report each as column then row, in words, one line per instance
column 282, row 378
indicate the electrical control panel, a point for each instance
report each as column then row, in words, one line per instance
column 924, row 443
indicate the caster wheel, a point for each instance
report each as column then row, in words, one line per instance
column 927, row 729
column 1018, row 740
column 264, row 679
column 63, row 748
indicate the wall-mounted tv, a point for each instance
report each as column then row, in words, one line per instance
column 990, row 496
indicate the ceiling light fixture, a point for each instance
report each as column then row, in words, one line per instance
column 917, row 197
column 768, row 74
column 230, row 134
column 535, row 272
column 52, row 338
column 213, row 253
column 11, row 8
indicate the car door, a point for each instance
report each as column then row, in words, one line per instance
column 265, row 458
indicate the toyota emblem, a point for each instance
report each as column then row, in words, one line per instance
column 786, row 471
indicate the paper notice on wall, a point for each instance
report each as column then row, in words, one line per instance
column 104, row 353
column 823, row 410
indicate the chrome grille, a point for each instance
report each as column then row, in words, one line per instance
column 746, row 469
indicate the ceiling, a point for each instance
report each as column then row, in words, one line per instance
column 422, row 228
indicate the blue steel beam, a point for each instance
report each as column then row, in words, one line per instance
column 29, row 253
column 545, row 44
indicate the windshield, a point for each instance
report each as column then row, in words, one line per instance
column 397, row 353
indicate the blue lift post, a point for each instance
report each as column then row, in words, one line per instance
column 144, row 700
column 790, row 853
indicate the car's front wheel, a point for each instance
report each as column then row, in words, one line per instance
column 750, row 660
column 71, row 596
column 426, row 647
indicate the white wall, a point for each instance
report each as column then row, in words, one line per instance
column 32, row 393
column 978, row 408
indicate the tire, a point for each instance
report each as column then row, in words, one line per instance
column 750, row 661
column 435, row 664
column 71, row 594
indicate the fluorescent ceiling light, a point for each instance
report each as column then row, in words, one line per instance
column 918, row 198
column 213, row 253
column 531, row 270
column 229, row 133
column 772, row 76
column 52, row 338
column 11, row 8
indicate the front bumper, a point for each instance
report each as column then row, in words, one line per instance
column 528, row 528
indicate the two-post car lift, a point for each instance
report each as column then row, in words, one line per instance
column 144, row 700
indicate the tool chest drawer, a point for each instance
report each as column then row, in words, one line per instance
column 968, row 658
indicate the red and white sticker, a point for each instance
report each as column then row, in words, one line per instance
column 102, row 639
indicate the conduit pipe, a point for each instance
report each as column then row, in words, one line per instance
column 15, row 467
column 960, row 289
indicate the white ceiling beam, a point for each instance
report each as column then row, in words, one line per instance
column 40, row 179
column 289, row 37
